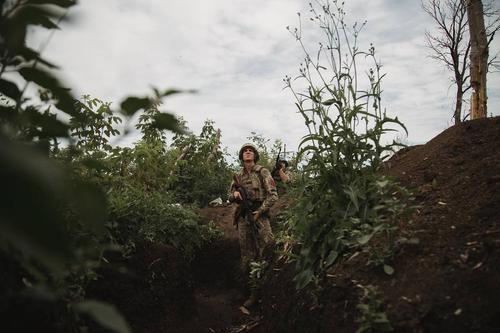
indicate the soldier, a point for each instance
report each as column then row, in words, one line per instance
column 253, row 188
column 281, row 175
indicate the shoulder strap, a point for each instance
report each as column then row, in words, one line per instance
column 259, row 168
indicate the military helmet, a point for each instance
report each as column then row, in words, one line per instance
column 249, row 145
column 285, row 162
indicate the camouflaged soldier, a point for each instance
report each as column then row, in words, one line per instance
column 257, row 184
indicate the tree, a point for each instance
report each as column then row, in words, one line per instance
column 478, row 58
column 451, row 43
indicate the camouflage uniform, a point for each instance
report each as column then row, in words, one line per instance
column 261, row 188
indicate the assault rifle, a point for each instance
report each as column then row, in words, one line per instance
column 247, row 207
column 277, row 166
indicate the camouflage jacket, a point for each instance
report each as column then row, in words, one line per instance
column 259, row 184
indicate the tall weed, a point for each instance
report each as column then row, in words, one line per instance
column 343, row 200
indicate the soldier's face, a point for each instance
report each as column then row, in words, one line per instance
column 248, row 154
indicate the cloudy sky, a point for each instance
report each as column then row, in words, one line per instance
column 235, row 53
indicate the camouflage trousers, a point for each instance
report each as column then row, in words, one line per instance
column 251, row 247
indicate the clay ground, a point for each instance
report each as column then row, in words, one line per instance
column 448, row 282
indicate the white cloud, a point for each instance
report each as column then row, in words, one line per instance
column 235, row 53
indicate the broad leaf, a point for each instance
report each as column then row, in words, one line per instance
column 34, row 15
column 29, row 54
column 388, row 269
column 167, row 121
column 30, row 217
column 331, row 258
column 105, row 314
column 50, row 125
column 364, row 239
column 65, row 101
column 133, row 104
column 9, row 89
column 60, row 3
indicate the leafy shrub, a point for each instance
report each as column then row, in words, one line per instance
column 373, row 318
column 136, row 217
column 200, row 173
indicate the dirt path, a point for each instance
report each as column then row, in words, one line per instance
column 219, row 290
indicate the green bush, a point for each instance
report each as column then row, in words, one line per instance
column 200, row 173
column 137, row 216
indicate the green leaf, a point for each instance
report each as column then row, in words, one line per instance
column 169, row 92
column 331, row 258
column 105, row 314
column 9, row 89
column 388, row 269
column 413, row 241
column 32, row 191
column 50, row 125
column 29, row 54
column 328, row 102
column 303, row 278
column 60, row 3
column 133, row 104
column 364, row 239
column 65, row 101
column 34, row 15
column 382, row 183
column 353, row 196
column 167, row 121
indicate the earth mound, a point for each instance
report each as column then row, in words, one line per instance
column 449, row 281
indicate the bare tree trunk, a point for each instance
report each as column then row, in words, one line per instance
column 183, row 154
column 478, row 58
column 181, row 157
column 458, row 105
column 215, row 147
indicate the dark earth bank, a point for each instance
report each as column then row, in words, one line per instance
column 449, row 281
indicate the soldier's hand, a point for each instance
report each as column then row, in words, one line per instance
column 237, row 195
column 256, row 215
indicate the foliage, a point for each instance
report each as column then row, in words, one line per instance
column 136, row 181
column 343, row 200
column 137, row 216
column 257, row 271
column 93, row 125
column 200, row 173
column 17, row 58
column 372, row 319
column 53, row 221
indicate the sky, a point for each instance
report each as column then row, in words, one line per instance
column 235, row 54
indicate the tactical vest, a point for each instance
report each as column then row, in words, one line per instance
column 254, row 185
